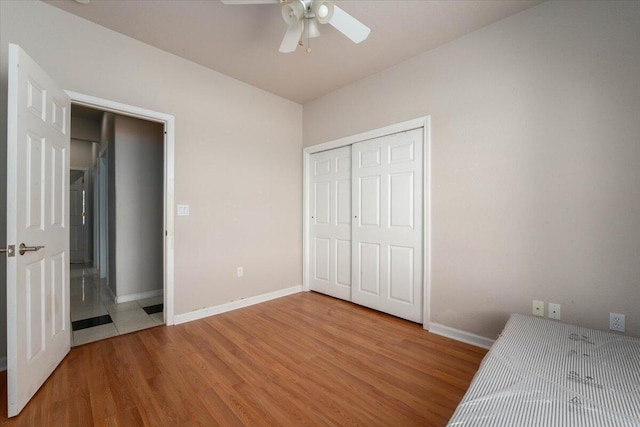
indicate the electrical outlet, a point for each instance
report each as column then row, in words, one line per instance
column 538, row 308
column 616, row 322
column 554, row 311
column 240, row 272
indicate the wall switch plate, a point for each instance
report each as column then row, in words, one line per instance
column 616, row 322
column 554, row 311
column 240, row 272
column 183, row 210
column 538, row 308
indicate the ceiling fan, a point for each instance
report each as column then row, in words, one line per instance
column 302, row 18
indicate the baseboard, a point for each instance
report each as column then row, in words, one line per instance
column 3, row 364
column 139, row 295
column 234, row 305
column 458, row 335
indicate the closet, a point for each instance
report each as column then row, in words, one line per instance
column 366, row 223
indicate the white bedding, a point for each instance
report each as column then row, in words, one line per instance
column 541, row 372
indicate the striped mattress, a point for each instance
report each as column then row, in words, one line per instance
column 541, row 372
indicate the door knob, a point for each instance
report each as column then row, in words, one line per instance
column 24, row 248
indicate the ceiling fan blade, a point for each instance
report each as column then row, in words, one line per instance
column 292, row 37
column 349, row 26
column 250, row 1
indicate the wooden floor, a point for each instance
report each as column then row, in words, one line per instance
column 305, row 359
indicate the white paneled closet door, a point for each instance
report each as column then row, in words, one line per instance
column 330, row 229
column 387, row 179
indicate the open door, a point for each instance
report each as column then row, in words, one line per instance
column 38, row 320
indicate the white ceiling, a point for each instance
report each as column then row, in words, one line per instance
column 243, row 41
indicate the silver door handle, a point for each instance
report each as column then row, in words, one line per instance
column 24, row 248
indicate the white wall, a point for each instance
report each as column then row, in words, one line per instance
column 238, row 151
column 535, row 161
column 139, row 158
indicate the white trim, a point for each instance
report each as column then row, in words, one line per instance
column 426, row 237
column 306, row 158
column 421, row 122
column 169, row 180
column 3, row 364
column 234, row 305
column 458, row 335
column 139, row 295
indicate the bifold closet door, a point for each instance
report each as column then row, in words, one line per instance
column 387, row 225
column 330, row 224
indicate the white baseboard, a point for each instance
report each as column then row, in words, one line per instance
column 3, row 364
column 234, row 305
column 458, row 335
column 139, row 295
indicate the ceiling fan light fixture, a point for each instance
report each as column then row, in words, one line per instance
column 292, row 12
column 323, row 10
column 311, row 25
column 301, row 15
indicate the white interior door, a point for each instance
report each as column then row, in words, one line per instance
column 78, row 233
column 330, row 224
column 38, row 320
column 387, row 181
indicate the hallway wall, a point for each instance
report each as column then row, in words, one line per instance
column 139, row 174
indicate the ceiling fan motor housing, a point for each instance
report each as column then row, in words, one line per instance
column 306, row 14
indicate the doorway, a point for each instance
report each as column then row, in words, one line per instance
column 114, row 292
column 38, row 280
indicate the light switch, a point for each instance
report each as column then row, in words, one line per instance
column 183, row 210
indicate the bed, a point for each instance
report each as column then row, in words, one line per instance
column 541, row 372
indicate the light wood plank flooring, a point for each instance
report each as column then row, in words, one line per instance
column 305, row 359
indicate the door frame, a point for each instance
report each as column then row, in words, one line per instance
column 87, row 208
column 421, row 122
column 169, row 177
column 101, row 217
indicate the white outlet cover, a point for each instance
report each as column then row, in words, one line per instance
column 616, row 322
column 554, row 311
column 538, row 308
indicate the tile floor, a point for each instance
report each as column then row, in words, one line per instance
column 94, row 315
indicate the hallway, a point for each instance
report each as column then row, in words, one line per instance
column 94, row 315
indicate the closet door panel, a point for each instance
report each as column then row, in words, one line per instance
column 387, row 181
column 330, row 223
